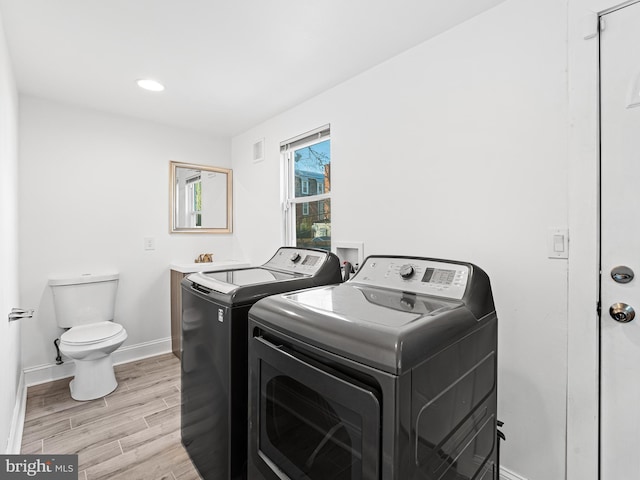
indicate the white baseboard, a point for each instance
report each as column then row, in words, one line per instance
column 130, row 353
column 17, row 420
column 509, row 475
column 50, row 372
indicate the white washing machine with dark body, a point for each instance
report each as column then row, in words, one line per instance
column 215, row 308
column 390, row 375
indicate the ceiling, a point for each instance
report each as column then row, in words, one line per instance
column 227, row 64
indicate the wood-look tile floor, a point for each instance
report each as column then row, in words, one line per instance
column 131, row 434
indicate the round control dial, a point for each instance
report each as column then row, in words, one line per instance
column 406, row 271
column 295, row 257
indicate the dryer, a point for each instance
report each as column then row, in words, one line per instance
column 214, row 358
column 390, row 375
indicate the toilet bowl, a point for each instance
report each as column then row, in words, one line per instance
column 90, row 346
column 84, row 307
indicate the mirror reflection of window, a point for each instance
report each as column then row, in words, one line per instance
column 200, row 198
column 193, row 202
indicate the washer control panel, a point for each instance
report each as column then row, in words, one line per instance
column 415, row 275
column 297, row 260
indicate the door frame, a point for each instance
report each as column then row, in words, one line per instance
column 583, row 330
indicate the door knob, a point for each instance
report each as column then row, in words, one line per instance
column 621, row 312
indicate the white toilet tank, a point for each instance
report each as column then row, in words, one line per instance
column 84, row 299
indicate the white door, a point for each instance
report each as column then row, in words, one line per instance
column 620, row 255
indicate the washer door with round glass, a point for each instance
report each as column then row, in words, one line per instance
column 313, row 422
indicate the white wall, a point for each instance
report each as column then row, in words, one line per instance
column 9, row 332
column 455, row 149
column 92, row 187
column 214, row 199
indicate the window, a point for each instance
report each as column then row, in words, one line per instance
column 307, row 189
column 194, row 201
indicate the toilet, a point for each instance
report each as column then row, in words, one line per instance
column 84, row 307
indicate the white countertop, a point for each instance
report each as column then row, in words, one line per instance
column 208, row 266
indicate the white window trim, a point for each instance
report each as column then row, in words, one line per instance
column 189, row 192
column 289, row 201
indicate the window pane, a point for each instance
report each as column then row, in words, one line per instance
column 197, row 203
column 312, row 169
column 313, row 224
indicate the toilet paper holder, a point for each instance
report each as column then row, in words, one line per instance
column 18, row 313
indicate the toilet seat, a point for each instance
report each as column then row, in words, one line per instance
column 92, row 333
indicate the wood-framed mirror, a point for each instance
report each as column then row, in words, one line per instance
column 201, row 198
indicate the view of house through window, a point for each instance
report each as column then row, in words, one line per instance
column 308, row 191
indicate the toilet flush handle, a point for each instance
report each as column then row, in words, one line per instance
column 18, row 313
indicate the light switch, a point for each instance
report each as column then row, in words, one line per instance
column 149, row 243
column 558, row 243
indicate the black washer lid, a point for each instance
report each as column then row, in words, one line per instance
column 227, row 281
column 290, row 269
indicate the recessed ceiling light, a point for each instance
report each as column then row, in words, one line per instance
column 150, row 85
